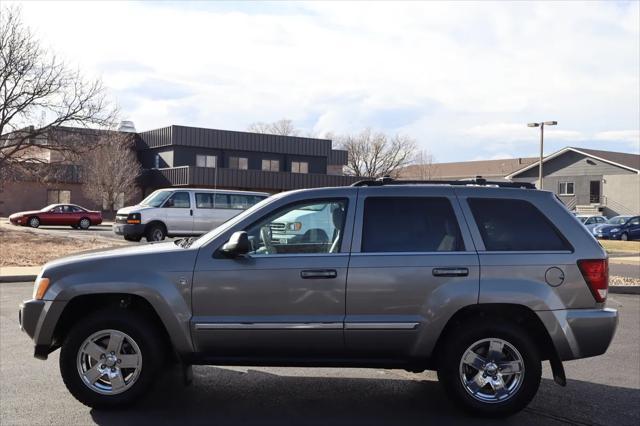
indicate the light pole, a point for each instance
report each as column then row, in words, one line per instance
column 541, row 125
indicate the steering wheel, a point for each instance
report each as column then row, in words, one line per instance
column 265, row 234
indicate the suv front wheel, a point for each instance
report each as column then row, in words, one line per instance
column 109, row 359
column 490, row 370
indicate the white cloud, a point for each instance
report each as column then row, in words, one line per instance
column 462, row 78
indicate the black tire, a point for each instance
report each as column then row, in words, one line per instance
column 146, row 335
column 155, row 232
column 135, row 238
column 462, row 338
column 84, row 223
column 34, row 222
column 624, row 237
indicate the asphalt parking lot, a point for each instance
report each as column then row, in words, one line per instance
column 603, row 390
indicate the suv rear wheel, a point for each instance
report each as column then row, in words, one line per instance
column 490, row 370
column 111, row 358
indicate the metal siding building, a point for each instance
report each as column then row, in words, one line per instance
column 169, row 156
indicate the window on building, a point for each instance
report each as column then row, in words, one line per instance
column 271, row 165
column 410, row 224
column 565, row 188
column 58, row 196
column 241, row 163
column 299, row 167
column 515, row 225
column 210, row 161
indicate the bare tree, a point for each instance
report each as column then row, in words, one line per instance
column 111, row 170
column 282, row 127
column 40, row 94
column 424, row 167
column 375, row 154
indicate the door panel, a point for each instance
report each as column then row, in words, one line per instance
column 179, row 213
column 274, row 302
column 398, row 301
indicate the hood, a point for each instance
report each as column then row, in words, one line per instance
column 134, row 209
column 606, row 227
column 18, row 214
column 114, row 253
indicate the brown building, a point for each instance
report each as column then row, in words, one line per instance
column 488, row 169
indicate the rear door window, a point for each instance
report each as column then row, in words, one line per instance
column 410, row 224
column 515, row 225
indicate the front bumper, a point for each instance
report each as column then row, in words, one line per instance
column 580, row 333
column 38, row 318
column 127, row 229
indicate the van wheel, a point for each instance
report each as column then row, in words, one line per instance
column 490, row 369
column 155, row 232
column 34, row 222
column 84, row 223
column 111, row 358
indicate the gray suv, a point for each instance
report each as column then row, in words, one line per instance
column 477, row 280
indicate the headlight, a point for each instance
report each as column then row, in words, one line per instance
column 294, row 226
column 134, row 218
column 40, row 288
column 615, row 230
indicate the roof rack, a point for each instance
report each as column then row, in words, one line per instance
column 477, row 181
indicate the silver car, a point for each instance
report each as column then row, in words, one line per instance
column 481, row 282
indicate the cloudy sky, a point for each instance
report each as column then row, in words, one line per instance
column 463, row 79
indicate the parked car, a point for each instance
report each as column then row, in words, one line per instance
column 58, row 215
column 589, row 221
column 174, row 212
column 619, row 228
column 479, row 281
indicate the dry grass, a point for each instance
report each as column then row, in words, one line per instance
column 621, row 246
column 20, row 247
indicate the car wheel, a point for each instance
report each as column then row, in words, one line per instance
column 155, row 233
column 490, row 369
column 624, row 236
column 84, row 223
column 34, row 222
column 111, row 358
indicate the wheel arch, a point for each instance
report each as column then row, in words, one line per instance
column 85, row 304
column 154, row 223
column 519, row 314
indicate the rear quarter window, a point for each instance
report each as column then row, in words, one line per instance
column 515, row 225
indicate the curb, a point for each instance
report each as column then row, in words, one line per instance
column 622, row 289
column 17, row 278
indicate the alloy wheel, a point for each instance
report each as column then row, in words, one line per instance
column 109, row 362
column 85, row 224
column 491, row 370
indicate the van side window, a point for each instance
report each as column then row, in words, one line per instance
column 204, row 201
column 179, row 200
column 410, row 224
column 515, row 225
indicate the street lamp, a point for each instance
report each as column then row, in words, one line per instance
column 541, row 125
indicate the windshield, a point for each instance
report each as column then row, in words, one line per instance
column 618, row 220
column 155, row 199
column 583, row 219
column 204, row 239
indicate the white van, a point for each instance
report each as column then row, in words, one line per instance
column 181, row 211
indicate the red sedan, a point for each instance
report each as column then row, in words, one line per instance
column 58, row 214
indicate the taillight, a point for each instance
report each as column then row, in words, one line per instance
column 596, row 274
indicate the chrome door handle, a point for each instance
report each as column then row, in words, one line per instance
column 450, row 272
column 319, row 273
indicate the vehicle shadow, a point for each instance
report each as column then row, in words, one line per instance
column 227, row 397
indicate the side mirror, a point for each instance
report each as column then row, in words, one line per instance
column 238, row 245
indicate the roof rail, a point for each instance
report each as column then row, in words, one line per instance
column 477, row 181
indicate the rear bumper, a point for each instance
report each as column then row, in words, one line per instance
column 580, row 333
column 128, row 229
